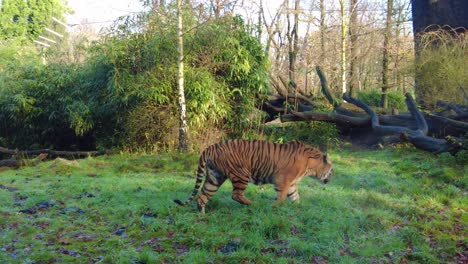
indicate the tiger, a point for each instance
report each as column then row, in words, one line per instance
column 260, row 162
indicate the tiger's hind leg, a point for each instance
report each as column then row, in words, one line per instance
column 239, row 184
column 214, row 180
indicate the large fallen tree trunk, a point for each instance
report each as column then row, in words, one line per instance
column 54, row 152
column 418, row 137
column 20, row 157
column 15, row 163
column 437, row 132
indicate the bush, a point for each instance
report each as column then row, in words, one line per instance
column 125, row 94
column 40, row 106
column 320, row 134
column 151, row 128
column 441, row 68
column 396, row 100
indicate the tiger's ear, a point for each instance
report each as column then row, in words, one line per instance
column 326, row 158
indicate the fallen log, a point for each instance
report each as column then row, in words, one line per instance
column 418, row 137
column 19, row 157
column 435, row 132
column 14, row 163
column 339, row 119
column 54, row 152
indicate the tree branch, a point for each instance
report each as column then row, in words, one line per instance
column 325, row 89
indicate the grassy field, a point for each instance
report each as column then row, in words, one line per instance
column 388, row 206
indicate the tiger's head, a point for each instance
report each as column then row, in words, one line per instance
column 319, row 165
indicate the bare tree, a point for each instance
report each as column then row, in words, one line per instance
column 344, row 37
column 293, row 37
column 385, row 55
column 400, row 38
column 323, row 28
column 353, row 38
column 158, row 5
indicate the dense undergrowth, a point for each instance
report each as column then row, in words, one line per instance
column 398, row 205
column 123, row 95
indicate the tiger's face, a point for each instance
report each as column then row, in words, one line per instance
column 320, row 168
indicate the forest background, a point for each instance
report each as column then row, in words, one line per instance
column 117, row 88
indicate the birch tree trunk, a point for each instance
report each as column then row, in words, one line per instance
column 183, row 127
column 344, row 28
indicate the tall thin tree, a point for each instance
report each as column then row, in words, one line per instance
column 344, row 28
column 183, row 127
column 385, row 55
column 322, row 31
column 293, row 39
column 353, row 38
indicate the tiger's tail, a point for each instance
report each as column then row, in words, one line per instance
column 198, row 182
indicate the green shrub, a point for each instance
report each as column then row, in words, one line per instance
column 41, row 105
column 321, row 134
column 396, row 100
column 125, row 94
column 151, row 128
column 441, row 68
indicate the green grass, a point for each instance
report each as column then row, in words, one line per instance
column 391, row 206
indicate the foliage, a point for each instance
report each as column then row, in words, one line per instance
column 13, row 54
column 396, row 100
column 441, row 68
column 321, row 134
column 378, row 207
column 42, row 106
column 225, row 70
column 24, row 20
column 113, row 99
column 151, row 127
column 238, row 62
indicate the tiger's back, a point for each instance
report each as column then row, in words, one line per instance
column 259, row 162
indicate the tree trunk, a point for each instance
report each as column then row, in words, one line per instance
column 322, row 31
column 432, row 15
column 398, row 27
column 158, row 5
column 292, row 45
column 183, row 127
column 353, row 37
column 343, row 46
column 260, row 22
column 429, row 15
column 385, row 59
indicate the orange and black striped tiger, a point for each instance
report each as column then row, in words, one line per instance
column 260, row 162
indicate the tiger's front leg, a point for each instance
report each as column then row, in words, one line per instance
column 293, row 193
column 280, row 195
column 282, row 188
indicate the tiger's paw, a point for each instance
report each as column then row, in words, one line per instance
column 201, row 208
column 241, row 199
